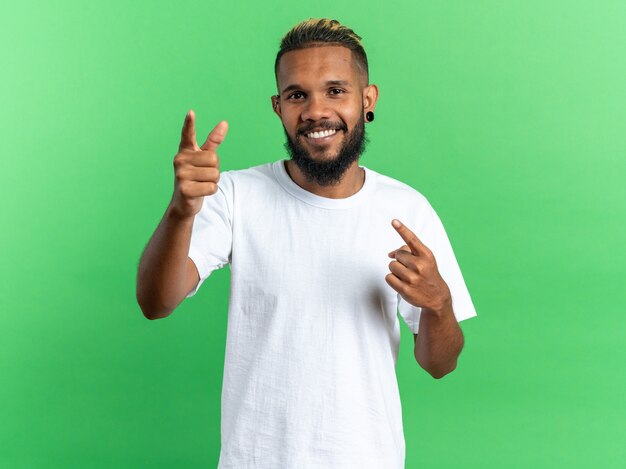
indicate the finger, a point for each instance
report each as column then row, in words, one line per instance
column 402, row 272
column 201, row 174
column 395, row 283
column 216, row 136
column 392, row 254
column 417, row 247
column 188, row 134
column 198, row 189
column 410, row 260
column 202, row 158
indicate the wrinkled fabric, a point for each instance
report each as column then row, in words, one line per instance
column 313, row 330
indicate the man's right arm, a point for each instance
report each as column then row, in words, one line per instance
column 166, row 274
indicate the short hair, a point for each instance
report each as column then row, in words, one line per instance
column 323, row 32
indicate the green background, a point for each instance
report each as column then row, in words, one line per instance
column 510, row 117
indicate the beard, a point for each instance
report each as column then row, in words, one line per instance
column 328, row 172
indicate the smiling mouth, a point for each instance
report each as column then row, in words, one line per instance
column 321, row 136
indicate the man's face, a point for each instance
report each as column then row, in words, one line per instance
column 321, row 106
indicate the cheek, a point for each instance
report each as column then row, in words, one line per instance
column 289, row 122
column 351, row 115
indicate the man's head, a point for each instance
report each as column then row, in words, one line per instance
column 322, row 80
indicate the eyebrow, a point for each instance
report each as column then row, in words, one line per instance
column 295, row 86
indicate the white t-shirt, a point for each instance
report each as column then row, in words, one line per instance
column 313, row 330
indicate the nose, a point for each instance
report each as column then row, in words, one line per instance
column 316, row 108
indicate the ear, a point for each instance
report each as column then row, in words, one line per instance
column 370, row 96
column 276, row 105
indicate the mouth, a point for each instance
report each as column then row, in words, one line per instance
column 321, row 136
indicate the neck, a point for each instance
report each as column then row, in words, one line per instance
column 351, row 182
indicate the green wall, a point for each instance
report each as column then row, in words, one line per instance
column 509, row 116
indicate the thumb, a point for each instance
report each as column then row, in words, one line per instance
column 216, row 136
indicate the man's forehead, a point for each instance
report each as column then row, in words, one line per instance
column 317, row 64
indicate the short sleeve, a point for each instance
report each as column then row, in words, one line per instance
column 211, row 236
column 434, row 236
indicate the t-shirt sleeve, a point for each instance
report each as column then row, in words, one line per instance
column 434, row 236
column 211, row 236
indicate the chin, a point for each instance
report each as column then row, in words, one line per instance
column 324, row 156
column 326, row 152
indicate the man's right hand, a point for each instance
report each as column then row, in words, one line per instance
column 197, row 169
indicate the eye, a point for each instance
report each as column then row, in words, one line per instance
column 336, row 91
column 295, row 95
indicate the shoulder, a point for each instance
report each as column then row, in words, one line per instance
column 392, row 188
column 248, row 177
column 259, row 173
column 404, row 202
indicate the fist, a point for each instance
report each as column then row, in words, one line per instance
column 196, row 169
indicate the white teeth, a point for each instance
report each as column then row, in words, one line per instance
column 324, row 133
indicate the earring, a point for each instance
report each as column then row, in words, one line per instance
column 369, row 116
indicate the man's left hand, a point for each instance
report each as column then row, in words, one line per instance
column 415, row 276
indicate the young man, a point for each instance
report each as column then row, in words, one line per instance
column 318, row 271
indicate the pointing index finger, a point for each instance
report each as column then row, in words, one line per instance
column 188, row 134
column 410, row 238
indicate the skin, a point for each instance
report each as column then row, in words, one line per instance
column 306, row 99
column 166, row 273
column 415, row 276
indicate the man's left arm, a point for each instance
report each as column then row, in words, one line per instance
column 439, row 342
column 415, row 276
